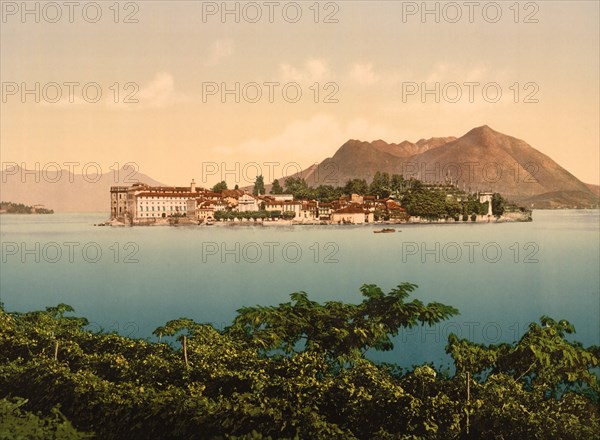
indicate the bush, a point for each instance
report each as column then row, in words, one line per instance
column 17, row 423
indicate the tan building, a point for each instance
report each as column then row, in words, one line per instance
column 354, row 215
column 118, row 201
column 247, row 203
column 287, row 206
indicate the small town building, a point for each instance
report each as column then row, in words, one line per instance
column 353, row 214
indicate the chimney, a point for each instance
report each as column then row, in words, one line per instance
column 193, row 186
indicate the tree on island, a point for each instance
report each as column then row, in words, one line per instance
column 298, row 187
column 259, row 186
column 276, row 187
column 356, row 186
column 498, row 204
column 219, row 187
column 380, row 186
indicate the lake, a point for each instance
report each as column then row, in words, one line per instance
column 132, row 279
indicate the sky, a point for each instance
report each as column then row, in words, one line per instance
column 214, row 90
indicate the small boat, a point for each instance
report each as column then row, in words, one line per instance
column 385, row 231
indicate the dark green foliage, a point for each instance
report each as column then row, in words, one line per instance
column 356, row 186
column 298, row 187
column 221, row 186
column 498, row 204
column 425, row 202
column 339, row 331
column 17, row 423
column 276, row 187
column 292, row 371
column 380, row 186
column 259, row 186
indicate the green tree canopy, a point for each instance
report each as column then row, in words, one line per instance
column 259, row 186
column 276, row 187
column 341, row 331
column 356, row 186
column 296, row 370
column 380, row 186
column 219, row 187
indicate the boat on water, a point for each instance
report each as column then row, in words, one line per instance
column 385, row 231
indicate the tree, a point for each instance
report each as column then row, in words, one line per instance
column 296, row 370
column 453, row 208
column 534, row 389
column 398, row 184
column 340, row 331
column 259, row 186
column 327, row 193
column 425, row 202
column 380, row 186
column 288, row 215
column 298, row 187
column 219, row 187
column 498, row 204
column 276, row 187
column 356, row 186
column 17, row 423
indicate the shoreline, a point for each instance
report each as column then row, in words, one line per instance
column 288, row 223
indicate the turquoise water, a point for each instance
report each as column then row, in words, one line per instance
column 500, row 276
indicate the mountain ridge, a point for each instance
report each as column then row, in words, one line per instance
column 480, row 160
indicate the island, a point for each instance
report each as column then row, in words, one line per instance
column 386, row 200
column 20, row 208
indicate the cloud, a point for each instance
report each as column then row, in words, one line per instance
column 313, row 70
column 302, row 142
column 364, row 74
column 219, row 50
column 157, row 93
column 368, row 74
column 443, row 72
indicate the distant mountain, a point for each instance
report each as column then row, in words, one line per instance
column 594, row 188
column 65, row 191
column 482, row 159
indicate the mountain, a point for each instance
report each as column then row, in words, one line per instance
column 594, row 188
column 481, row 160
column 64, row 191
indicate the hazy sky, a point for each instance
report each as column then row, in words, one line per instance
column 371, row 59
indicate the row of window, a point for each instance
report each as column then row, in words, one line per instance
column 157, row 215
column 166, row 201
column 164, row 208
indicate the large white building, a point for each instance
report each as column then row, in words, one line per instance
column 141, row 202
